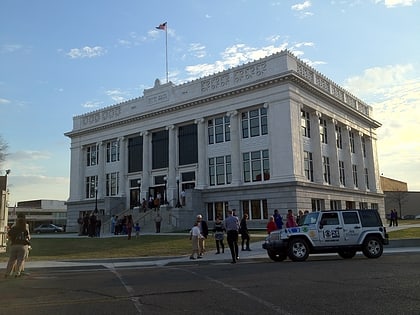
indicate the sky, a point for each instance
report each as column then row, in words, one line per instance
column 60, row 59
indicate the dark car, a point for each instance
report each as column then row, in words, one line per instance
column 409, row 217
column 48, row 228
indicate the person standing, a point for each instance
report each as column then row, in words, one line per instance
column 278, row 219
column 19, row 238
column 232, row 227
column 137, row 229
column 194, row 237
column 129, row 225
column 244, row 232
column 158, row 221
column 271, row 225
column 113, row 222
column 219, row 234
column 291, row 221
column 204, row 232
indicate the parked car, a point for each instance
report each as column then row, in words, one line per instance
column 417, row 217
column 48, row 228
column 409, row 217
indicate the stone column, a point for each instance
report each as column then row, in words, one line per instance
column 145, row 178
column 122, row 143
column 171, row 193
column 202, row 154
column 360, row 161
column 317, row 152
column 101, row 169
column 348, row 170
column 235, row 148
column 332, row 144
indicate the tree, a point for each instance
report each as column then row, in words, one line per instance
column 3, row 149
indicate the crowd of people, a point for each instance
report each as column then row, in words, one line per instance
column 90, row 225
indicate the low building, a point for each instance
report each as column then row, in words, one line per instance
column 39, row 212
column 269, row 134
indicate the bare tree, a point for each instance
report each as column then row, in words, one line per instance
column 3, row 149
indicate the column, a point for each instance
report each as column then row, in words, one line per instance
column 235, row 148
column 202, row 154
column 171, row 193
column 348, row 169
column 122, row 142
column 101, row 169
column 360, row 161
column 332, row 144
column 145, row 178
column 316, row 148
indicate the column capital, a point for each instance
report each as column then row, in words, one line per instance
column 232, row 113
column 170, row 127
column 199, row 121
column 144, row 133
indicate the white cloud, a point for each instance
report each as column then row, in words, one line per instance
column 396, row 3
column 394, row 94
column 198, row 50
column 117, row 95
column 4, row 101
column 86, row 52
column 92, row 104
column 9, row 48
column 301, row 6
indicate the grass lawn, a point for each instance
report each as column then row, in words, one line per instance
column 144, row 246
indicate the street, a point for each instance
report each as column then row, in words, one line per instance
column 321, row 285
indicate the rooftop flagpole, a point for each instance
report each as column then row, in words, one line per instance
column 164, row 27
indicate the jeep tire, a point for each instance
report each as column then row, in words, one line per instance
column 372, row 247
column 347, row 253
column 298, row 249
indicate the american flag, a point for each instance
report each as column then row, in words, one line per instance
column 162, row 26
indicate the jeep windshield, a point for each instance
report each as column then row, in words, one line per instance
column 309, row 219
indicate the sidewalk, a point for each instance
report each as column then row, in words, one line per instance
column 256, row 253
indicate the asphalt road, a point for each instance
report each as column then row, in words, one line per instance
column 321, row 285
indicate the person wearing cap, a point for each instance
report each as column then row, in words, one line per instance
column 204, row 232
column 232, row 228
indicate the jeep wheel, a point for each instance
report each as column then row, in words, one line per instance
column 347, row 254
column 372, row 247
column 276, row 256
column 298, row 249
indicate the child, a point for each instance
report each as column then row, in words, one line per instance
column 194, row 235
column 137, row 229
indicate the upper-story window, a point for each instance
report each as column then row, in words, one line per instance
column 326, row 166
column 254, row 123
column 92, row 155
column 323, row 130
column 308, row 165
column 219, row 129
column 363, row 139
column 355, row 181
column 256, row 166
column 352, row 147
column 305, row 123
column 112, row 151
column 112, row 184
column 339, row 137
column 91, row 186
column 342, row 174
column 220, row 170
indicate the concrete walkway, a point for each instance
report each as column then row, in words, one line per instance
column 257, row 253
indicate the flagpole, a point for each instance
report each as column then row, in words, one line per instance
column 166, row 50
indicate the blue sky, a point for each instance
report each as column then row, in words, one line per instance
column 59, row 59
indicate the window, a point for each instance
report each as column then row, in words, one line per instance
column 255, row 209
column 112, row 180
column 256, row 166
column 91, row 186
column 335, row 204
column 342, row 173
column 363, row 139
column 112, row 151
column 305, row 124
column 352, row 147
column 330, row 218
column 355, row 182
column 326, row 165
column 160, row 149
column 363, row 205
column 135, row 154
column 339, row 137
column 92, row 157
column 350, row 217
column 254, row 123
column 187, row 144
column 317, row 204
column 308, row 165
column 370, row 218
column 323, row 130
column 367, row 178
column 217, row 209
column 219, row 129
column 220, row 170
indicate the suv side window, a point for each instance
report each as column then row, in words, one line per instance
column 350, row 217
column 370, row 218
column 330, row 218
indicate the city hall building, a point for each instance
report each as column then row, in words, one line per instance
column 269, row 134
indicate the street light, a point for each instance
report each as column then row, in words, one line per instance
column 178, row 205
column 165, row 179
column 139, row 184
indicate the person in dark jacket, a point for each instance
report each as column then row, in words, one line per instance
column 19, row 239
column 204, row 231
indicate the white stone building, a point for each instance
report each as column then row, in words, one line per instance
column 270, row 134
